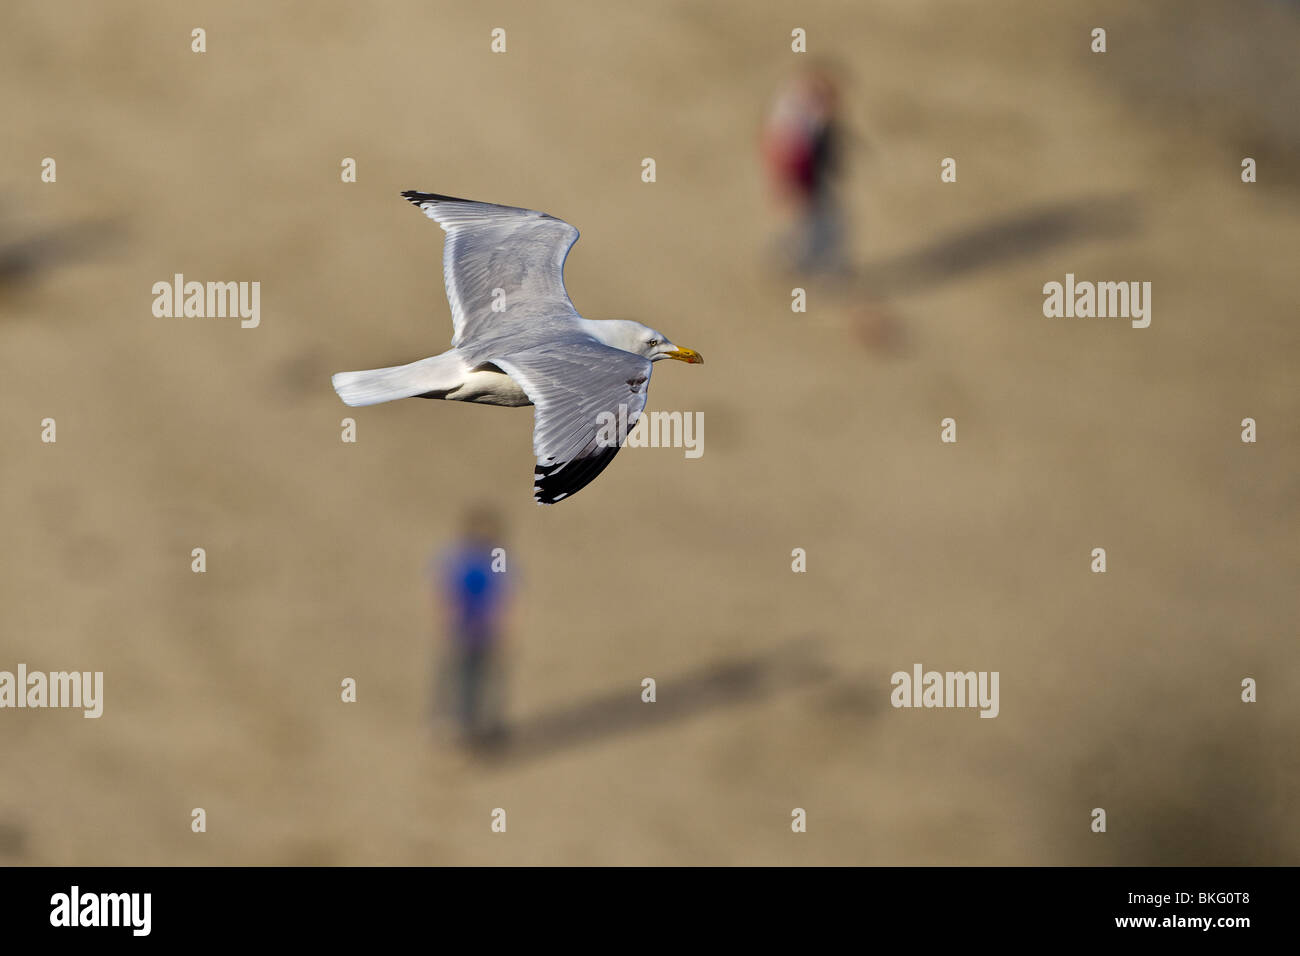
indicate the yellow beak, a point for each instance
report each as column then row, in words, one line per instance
column 686, row 355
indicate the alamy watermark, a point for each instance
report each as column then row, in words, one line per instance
column 208, row 300
column 1086, row 300
column 652, row 430
column 75, row 908
column 83, row 689
column 946, row 689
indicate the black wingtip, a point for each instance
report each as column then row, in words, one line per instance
column 555, row 483
column 415, row 196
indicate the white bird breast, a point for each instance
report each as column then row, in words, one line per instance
column 489, row 386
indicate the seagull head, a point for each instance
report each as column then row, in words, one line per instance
column 644, row 341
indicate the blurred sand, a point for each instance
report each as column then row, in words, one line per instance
column 1119, row 691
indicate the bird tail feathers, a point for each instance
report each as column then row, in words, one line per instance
column 441, row 373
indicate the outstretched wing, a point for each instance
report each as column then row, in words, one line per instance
column 503, row 267
column 588, row 396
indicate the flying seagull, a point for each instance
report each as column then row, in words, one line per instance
column 519, row 341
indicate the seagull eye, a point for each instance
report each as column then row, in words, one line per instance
column 652, row 343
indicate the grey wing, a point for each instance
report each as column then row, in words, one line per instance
column 519, row 252
column 587, row 397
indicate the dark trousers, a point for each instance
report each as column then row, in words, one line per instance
column 471, row 678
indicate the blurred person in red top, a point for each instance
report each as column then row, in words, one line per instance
column 801, row 145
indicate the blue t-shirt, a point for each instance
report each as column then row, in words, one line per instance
column 474, row 593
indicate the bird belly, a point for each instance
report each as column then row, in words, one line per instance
column 489, row 386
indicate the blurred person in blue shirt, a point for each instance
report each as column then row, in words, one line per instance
column 472, row 582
